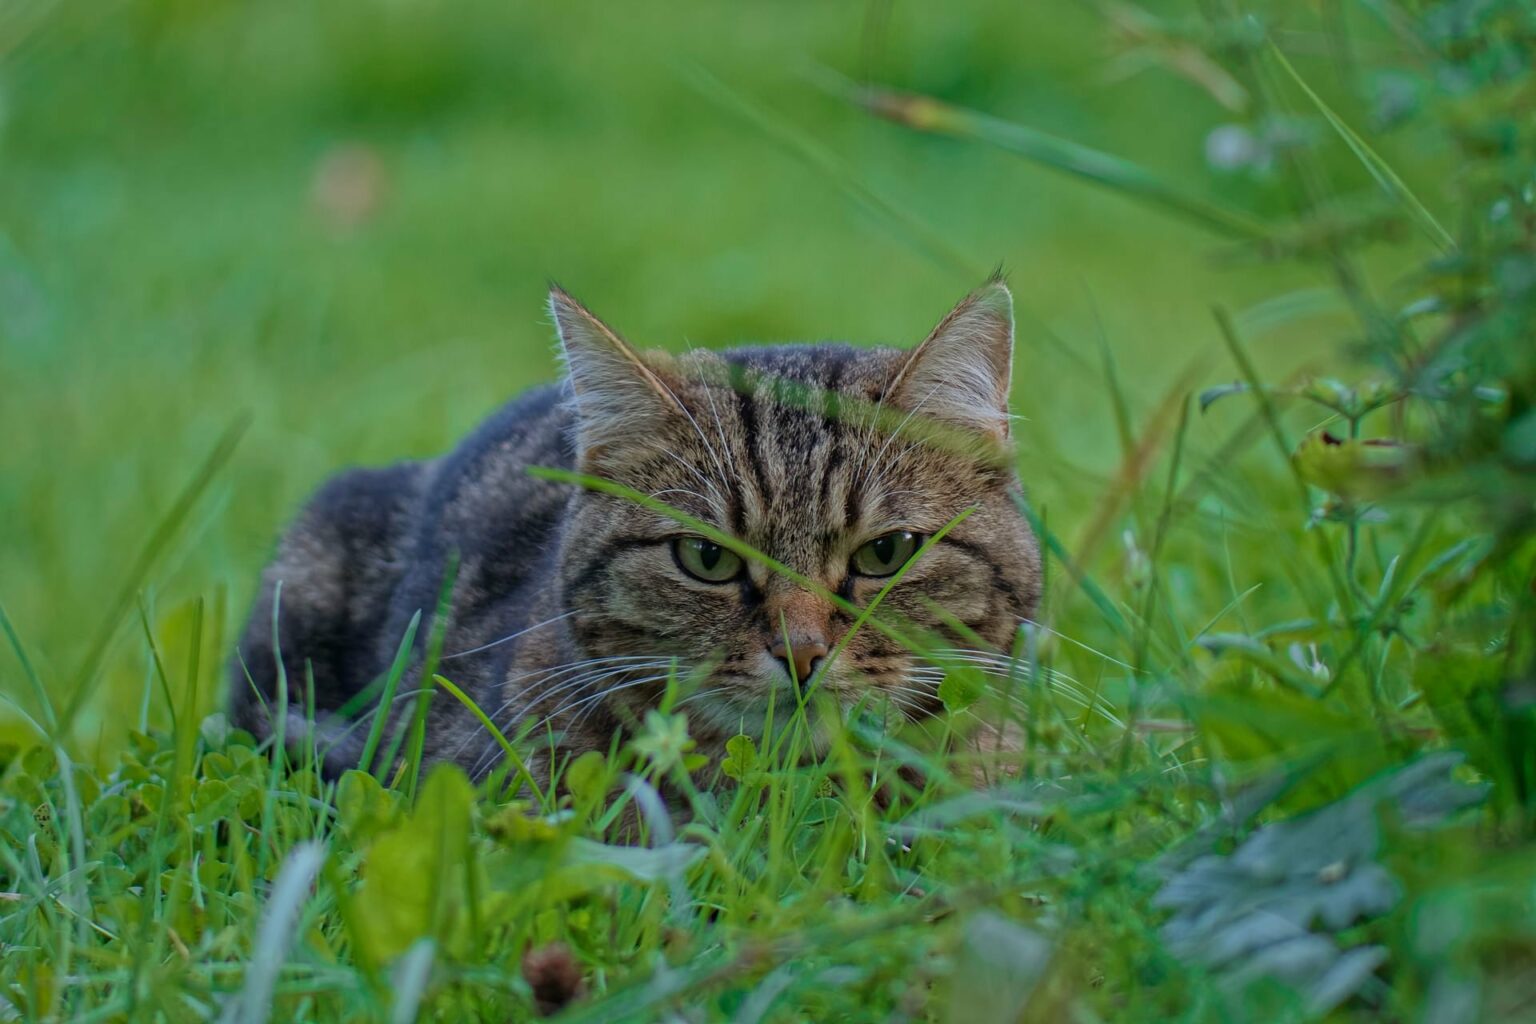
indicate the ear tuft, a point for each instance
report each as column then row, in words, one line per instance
column 617, row 396
column 962, row 371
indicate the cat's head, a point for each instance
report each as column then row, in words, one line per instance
column 835, row 464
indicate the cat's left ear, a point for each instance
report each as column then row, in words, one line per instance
column 619, row 396
column 961, row 372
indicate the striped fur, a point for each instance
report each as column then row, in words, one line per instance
column 569, row 609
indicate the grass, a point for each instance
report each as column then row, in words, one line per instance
column 1278, row 437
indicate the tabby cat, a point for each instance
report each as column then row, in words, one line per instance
column 571, row 606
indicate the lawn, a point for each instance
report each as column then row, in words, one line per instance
column 1274, row 267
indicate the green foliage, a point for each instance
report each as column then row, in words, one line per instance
column 1268, row 751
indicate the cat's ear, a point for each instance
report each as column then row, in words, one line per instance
column 619, row 398
column 961, row 372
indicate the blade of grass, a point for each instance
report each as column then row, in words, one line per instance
column 279, row 751
column 934, row 117
column 1378, row 168
column 829, row 166
column 279, row 927
column 1134, row 467
column 1277, row 433
column 186, row 737
column 158, row 663
column 1075, row 572
column 159, row 540
column 418, row 728
column 501, row 739
column 387, row 698
column 39, row 691
column 1154, row 583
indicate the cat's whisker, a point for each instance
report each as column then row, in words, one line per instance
column 717, row 500
column 684, row 491
column 545, row 683
column 877, row 465
column 1021, row 668
column 1038, row 674
column 725, row 444
column 1078, row 643
column 1096, row 705
column 585, row 668
column 913, row 702
column 584, row 682
column 869, row 424
column 599, row 683
column 627, row 663
column 709, row 691
column 573, row 705
column 1006, row 667
column 367, row 716
column 593, row 702
column 508, row 638
column 521, row 698
column 335, row 737
column 591, row 665
column 714, row 455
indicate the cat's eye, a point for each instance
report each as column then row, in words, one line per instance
column 705, row 560
column 884, row 555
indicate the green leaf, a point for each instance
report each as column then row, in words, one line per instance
column 215, row 730
column 740, row 757
column 363, row 806
column 413, row 877
column 1000, row 964
column 1354, row 468
column 1281, row 669
column 961, row 688
column 516, row 823
column 664, row 740
column 1280, row 906
column 632, row 863
column 212, row 802
column 587, row 778
column 1210, row 396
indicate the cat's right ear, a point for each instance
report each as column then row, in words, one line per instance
column 619, row 398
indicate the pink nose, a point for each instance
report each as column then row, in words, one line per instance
column 802, row 659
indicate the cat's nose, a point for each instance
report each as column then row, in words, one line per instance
column 801, row 659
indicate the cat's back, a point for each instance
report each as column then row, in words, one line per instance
column 481, row 507
column 374, row 545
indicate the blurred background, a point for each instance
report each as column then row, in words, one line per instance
column 340, row 219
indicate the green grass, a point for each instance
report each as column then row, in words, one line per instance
column 1283, row 670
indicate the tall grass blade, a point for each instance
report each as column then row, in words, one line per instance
column 157, row 663
column 279, row 926
column 387, row 698
column 418, row 726
column 1378, row 168
column 934, row 117
column 500, row 737
column 39, row 691
column 409, row 980
column 832, row 167
column 159, row 540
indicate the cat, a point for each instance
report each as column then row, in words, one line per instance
column 571, row 606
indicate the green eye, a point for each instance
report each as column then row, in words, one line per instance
column 884, row 555
column 705, row 560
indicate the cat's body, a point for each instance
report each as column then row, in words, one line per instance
column 571, row 607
